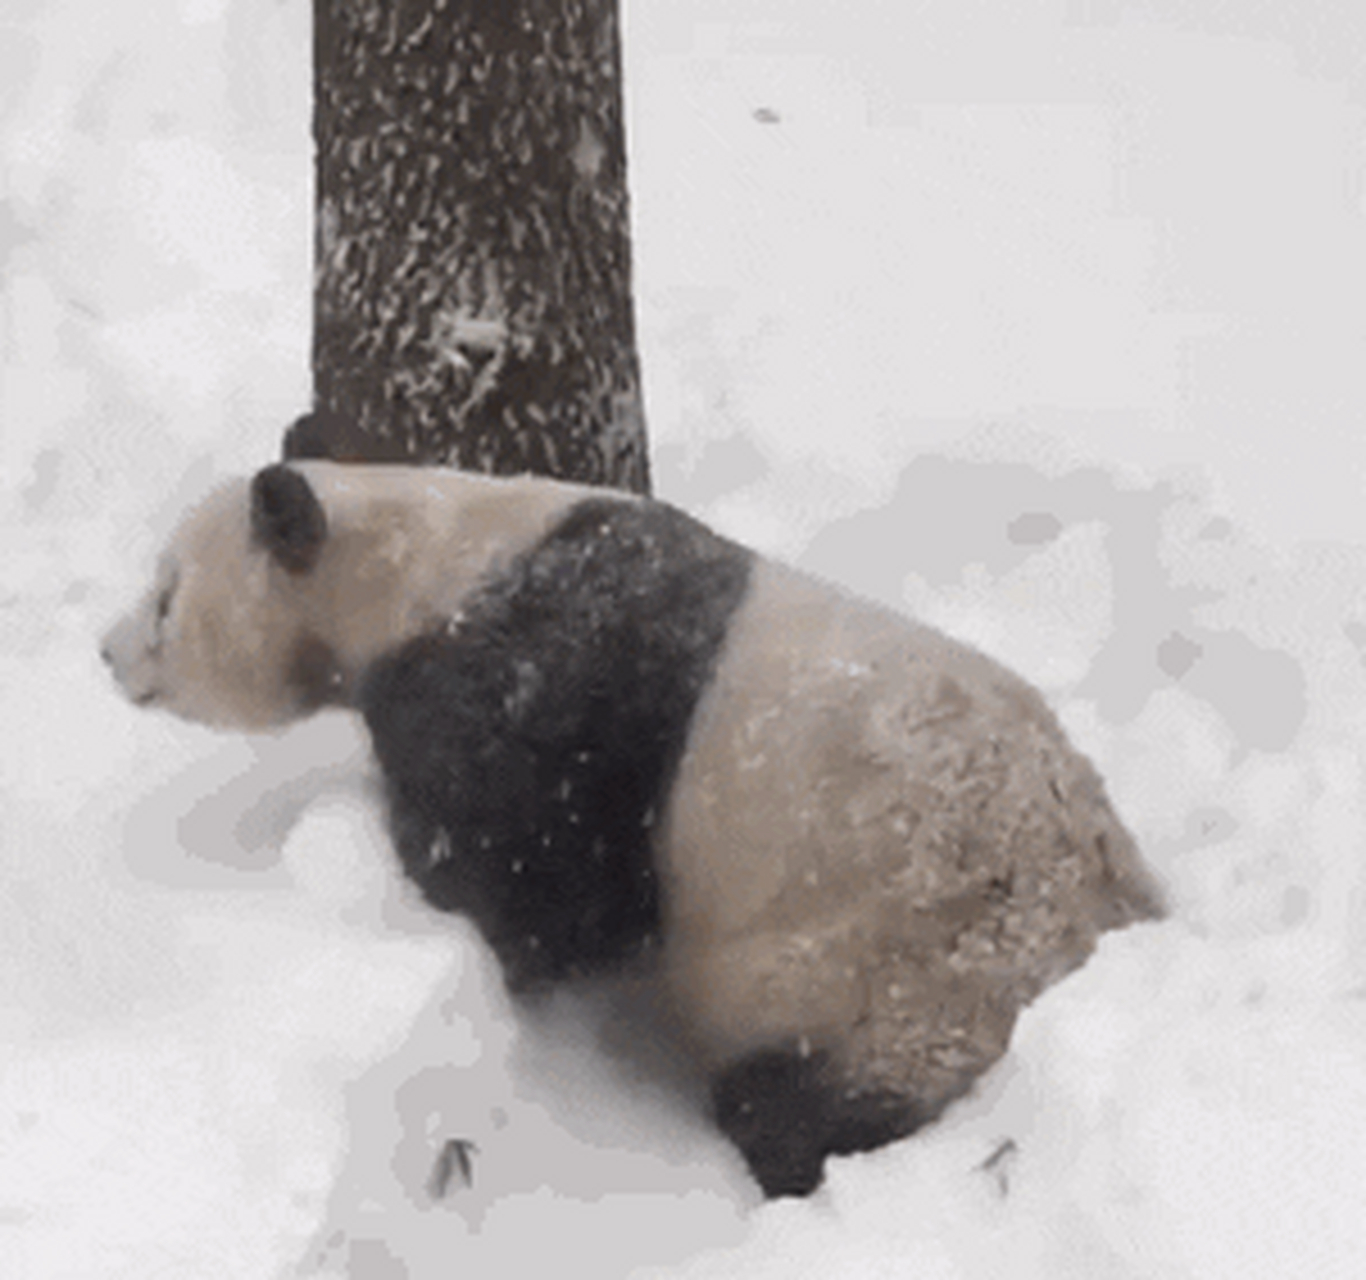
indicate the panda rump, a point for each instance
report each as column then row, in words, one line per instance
column 842, row 850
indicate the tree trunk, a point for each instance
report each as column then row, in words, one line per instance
column 473, row 287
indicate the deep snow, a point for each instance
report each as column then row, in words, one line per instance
column 1044, row 322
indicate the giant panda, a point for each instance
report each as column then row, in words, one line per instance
column 840, row 850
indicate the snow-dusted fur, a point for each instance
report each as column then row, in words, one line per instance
column 839, row 850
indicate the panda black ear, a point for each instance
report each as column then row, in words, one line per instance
column 286, row 517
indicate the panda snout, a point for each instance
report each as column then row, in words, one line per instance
column 114, row 651
column 109, row 650
column 130, row 670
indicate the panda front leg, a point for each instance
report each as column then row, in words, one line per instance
column 787, row 1108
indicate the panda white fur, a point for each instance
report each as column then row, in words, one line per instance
column 842, row 849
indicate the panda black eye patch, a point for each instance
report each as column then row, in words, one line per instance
column 528, row 747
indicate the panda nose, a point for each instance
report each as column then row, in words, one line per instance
column 110, row 649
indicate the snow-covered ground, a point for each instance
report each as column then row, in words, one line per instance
column 1045, row 321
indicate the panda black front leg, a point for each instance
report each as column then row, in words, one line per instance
column 786, row 1111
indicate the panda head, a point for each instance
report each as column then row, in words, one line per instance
column 276, row 592
column 223, row 637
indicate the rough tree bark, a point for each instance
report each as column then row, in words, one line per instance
column 473, row 289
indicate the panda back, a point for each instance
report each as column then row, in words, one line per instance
column 530, row 743
column 879, row 838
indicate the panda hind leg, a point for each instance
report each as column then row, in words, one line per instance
column 787, row 1110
